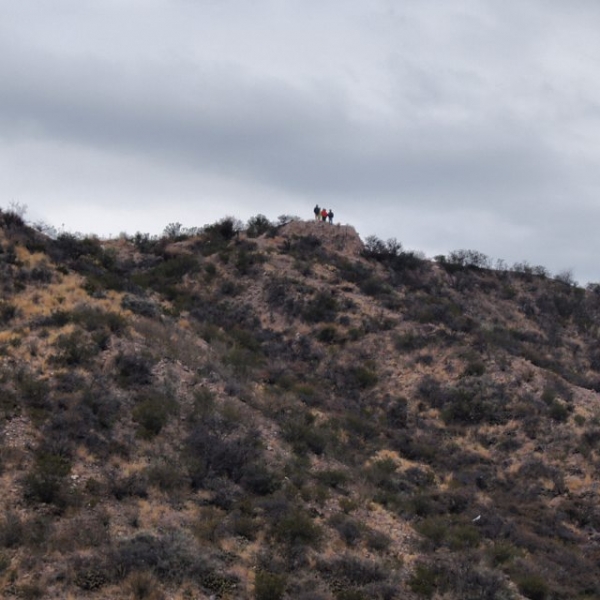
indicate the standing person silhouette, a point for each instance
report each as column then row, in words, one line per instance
column 317, row 212
column 324, row 215
column 330, row 216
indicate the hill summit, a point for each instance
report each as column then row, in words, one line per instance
column 283, row 411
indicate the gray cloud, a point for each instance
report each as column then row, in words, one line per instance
column 462, row 125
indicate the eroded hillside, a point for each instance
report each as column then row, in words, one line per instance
column 286, row 412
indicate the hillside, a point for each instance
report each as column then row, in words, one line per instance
column 288, row 412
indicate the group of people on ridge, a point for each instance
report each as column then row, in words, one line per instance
column 322, row 214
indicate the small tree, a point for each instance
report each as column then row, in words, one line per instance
column 258, row 225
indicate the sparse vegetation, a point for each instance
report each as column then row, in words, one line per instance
column 277, row 410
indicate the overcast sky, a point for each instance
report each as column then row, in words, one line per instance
column 463, row 124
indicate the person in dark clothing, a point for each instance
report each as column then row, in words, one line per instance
column 330, row 215
column 317, row 212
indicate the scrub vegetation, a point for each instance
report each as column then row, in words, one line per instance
column 283, row 411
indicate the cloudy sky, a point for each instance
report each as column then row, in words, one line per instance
column 470, row 124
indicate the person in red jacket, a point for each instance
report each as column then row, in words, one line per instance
column 324, row 215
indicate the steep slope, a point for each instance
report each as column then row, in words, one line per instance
column 292, row 415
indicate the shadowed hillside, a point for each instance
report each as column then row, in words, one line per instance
column 286, row 412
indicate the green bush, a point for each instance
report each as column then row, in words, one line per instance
column 259, row 225
column 152, row 413
column 296, row 528
column 532, row 586
column 269, row 586
column 75, row 348
column 323, row 307
column 424, row 580
column 133, row 370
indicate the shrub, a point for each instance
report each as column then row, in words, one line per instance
column 152, row 413
column 46, row 483
column 269, row 586
column 362, row 376
column 8, row 312
column 258, row 225
column 68, row 246
column 350, row 530
column 74, row 349
column 170, row 557
column 397, row 413
column 143, row 586
column 299, row 430
column 140, row 306
column 352, row 570
column 11, row 530
column 296, row 528
column 210, row 455
column 133, row 370
column 532, row 586
column 323, row 307
column 424, row 580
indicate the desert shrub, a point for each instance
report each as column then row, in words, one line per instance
column 352, row 570
column 242, row 360
column 143, row 586
column 323, row 307
column 502, row 552
column 166, row 475
column 170, row 557
column 227, row 228
column 396, row 415
column 465, row 259
column 350, row 530
column 327, row 334
column 380, row 250
column 46, row 482
column 90, row 573
column 296, row 528
column 70, row 247
column 377, row 541
column 74, row 349
column 334, row 478
column 424, row 580
column 152, row 412
column 444, row 531
column 220, row 584
column 558, row 411
column 361, row 426
column 473, row 400
column 373, row 286
column 93, row 319
column 11, row 530
column 144, row 242
column 133, row 370
column 410, row 341
column 269, row 586
column 474, row 368
column 247, row 258
column 101, row 407
column 259, row 225
column 140, row 306
column 165, row 276
column 300, row 431
column 34, row 392
column 210, row 455
column 460, row 578
column 532, row 586
column 8, row 312
column 31, row 591
column 130, row 486
column 306, row 247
